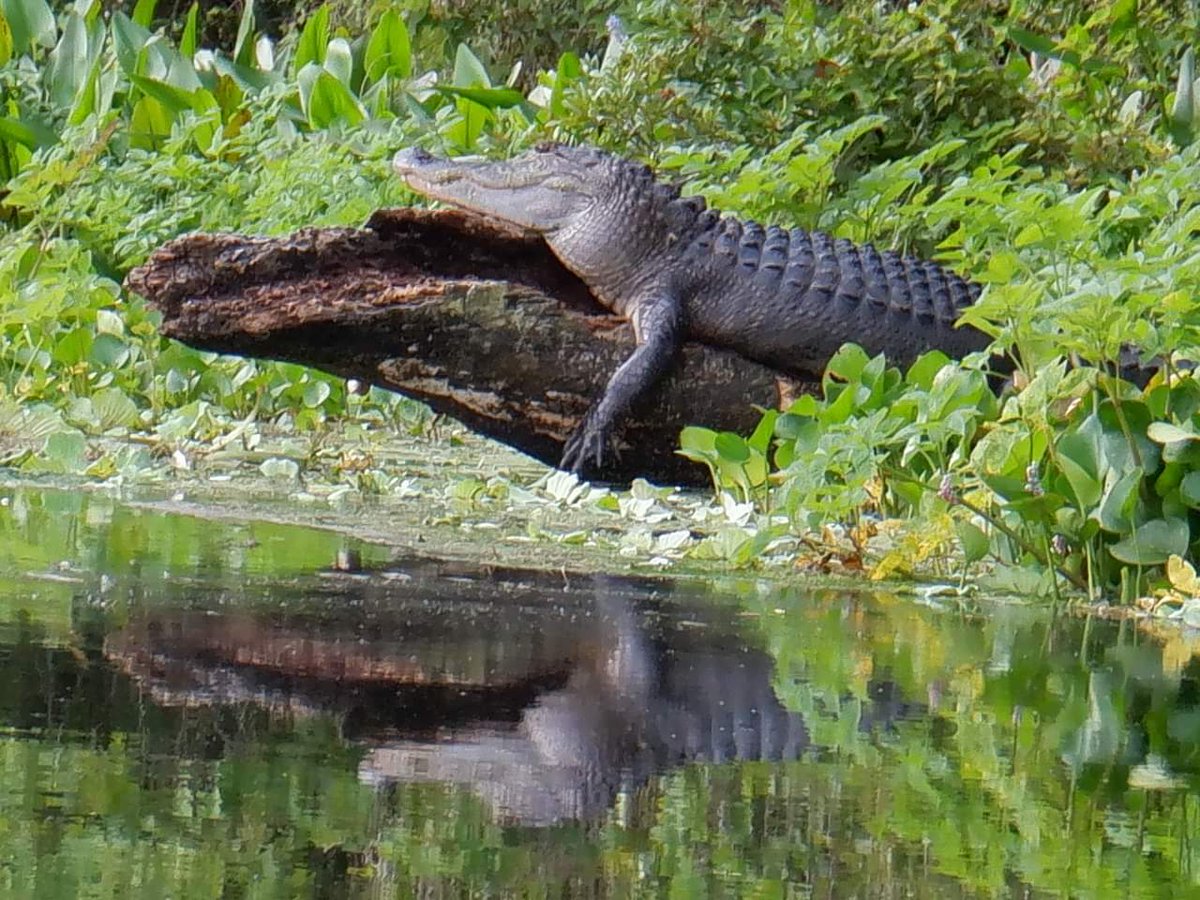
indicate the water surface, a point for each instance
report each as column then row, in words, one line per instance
column 196, row 708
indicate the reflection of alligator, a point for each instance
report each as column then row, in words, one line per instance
column 545, row 699
column 678, row 271
column 628, row 710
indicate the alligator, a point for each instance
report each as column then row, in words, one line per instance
column 678, row 271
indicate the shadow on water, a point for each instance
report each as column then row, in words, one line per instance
column 250, row 721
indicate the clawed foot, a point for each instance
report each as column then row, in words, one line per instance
column 586, row 448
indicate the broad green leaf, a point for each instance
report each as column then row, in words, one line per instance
column 149, row 124
column 188, row 40
column 314, row 40
column 472, row 118
column 1033, row 43
column 67, row 451
column 1183, row 110
column 697, row 440
column 31, row 23
column 316, row 393
column 732, row 447
column 1117, row 508
column 760, row 440
column 1153, row 542
column 248, row 78
column 129, row 38
column 922, row 372
column 143, row 12
column 6, row 41
column 1189, row 489
column 113, row 409
column 1168, row 433
column 389, row 51
column 243, row 48
column 339, row 61
column 468, row 70
column 173, row 98
column 974, row 540
column 492, row 98
column 326, row 100
column 69, row 64
column 17, row 132
column 848, row 363
column 567, row 72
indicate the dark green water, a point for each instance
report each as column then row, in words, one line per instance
column 190, row 708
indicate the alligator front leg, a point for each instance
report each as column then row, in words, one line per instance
column 659, row 328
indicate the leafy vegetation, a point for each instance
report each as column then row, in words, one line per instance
column 1054, row 159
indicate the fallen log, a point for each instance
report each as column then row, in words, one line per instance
column 477, row 320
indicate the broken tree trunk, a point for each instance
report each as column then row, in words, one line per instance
column 477, row 320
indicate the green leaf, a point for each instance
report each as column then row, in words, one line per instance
column 491, row 98
column 172, row 98
column 143, row 12
column 67, row 451
column 974, row 540
column 18, row 133
column 468, row 70
column 1119, row 505
column 316, row 393
column 472, row 118
column 1189, row 489
column 697, row 440
column 732, row 447
column 1153, row 542
column 1183, row 110
column 760, row 440
column 1033, row 43
column 188, row 40
column 129, row 38
column 31, row 23
column 1077, row 457
column 389, row 50
column 1168, row 433
column 922, row 372
column 314, row 40
column 149, row 124
column 339, row 61
column 326, row 100
column 848, row 363
column 243, row 48
column 6, row 41
column 567, row 72
column 113, row 409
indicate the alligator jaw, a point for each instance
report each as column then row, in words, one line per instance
column 515, row 191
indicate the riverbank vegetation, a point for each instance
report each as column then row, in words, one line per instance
column 1053, row 159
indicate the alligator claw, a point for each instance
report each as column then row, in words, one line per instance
column 585, row 448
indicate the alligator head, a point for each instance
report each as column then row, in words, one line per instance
column 600, row 214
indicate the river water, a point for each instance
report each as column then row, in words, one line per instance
column 192, row 707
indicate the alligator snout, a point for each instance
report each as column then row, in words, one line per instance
column 410, row 158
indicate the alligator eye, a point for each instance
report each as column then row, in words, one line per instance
column 546, row 146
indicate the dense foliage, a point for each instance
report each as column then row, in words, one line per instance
column 1052, row 159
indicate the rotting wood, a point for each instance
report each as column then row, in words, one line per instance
column 477, row 320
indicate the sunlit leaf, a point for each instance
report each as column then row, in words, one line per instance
column 389, row 50
column 1153, row 542
column 314, row 39
column 31, row 23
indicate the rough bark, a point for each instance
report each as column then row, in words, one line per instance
column 477, row 320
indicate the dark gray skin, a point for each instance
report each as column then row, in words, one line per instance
column 679, row 271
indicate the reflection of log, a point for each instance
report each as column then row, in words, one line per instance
column 543, row 697
column 481, row 323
